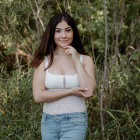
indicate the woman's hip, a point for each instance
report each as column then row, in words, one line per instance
column 61, row 126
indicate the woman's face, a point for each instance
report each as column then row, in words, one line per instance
column 63, row 35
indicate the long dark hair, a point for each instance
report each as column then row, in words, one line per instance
column 47, row 45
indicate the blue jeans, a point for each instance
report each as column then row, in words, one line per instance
column 69, row 126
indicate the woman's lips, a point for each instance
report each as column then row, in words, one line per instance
column 63, row 41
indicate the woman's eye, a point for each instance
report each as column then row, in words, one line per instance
column 68, row 30
column 58, row 31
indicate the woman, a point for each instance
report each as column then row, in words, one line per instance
column 63, row 78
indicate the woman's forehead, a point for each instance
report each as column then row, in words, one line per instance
column 62, row 25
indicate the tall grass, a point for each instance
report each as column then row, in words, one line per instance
column 19, row 116
column 121, row 107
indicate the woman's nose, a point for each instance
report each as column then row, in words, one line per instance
column 63, row 34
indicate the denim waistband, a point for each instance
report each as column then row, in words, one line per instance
column 65, row 115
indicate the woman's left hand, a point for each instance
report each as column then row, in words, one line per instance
column 69, row 50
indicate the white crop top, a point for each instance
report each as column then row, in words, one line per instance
column 67, row 104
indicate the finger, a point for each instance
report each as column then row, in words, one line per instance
column 70, row 51
column 67, row 52
column 87, row 95
column 68, row 47
column 83, row 89
column 86, row 89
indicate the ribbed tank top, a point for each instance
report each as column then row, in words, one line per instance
column 67, row 104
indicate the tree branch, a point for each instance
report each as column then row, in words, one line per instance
column 105, row 68
column 38, row 12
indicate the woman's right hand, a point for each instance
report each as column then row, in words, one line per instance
column 82, row 92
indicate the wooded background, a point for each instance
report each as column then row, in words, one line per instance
column 110, row 32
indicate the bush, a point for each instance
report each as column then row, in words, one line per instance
column 19, row 116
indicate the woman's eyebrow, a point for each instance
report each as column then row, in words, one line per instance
column 65, row 28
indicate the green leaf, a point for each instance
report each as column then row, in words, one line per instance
column 134, row 56
column 138, row 96
column 111, row 115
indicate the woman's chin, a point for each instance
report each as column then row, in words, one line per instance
column 64, row 45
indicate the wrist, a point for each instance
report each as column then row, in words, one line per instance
column 70, row 92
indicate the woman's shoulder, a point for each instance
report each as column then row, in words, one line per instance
column 87, row 59
column 41, row 65
column 87, row 56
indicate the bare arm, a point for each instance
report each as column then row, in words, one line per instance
column 86, row 73
column 40, row 93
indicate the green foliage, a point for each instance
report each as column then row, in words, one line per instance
column 19, row 113
column 122, row 111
